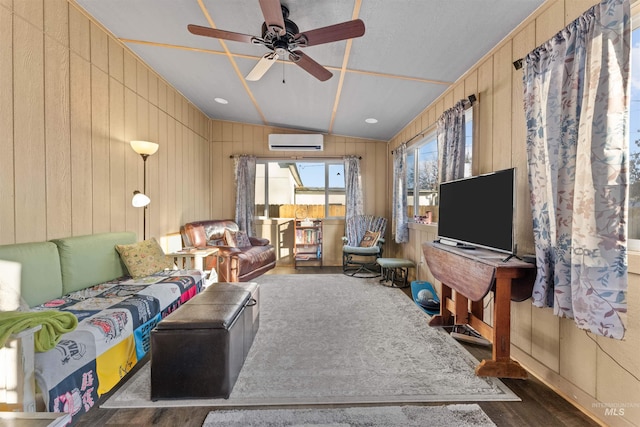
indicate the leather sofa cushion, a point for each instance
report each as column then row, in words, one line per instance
column 255, row 257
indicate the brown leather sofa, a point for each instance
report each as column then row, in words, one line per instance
column 233, row 264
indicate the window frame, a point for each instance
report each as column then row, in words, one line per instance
column 429, row 138
column 328, row 191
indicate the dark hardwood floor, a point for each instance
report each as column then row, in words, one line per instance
column 540, row 406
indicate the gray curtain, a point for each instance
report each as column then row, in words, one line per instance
column 353, row 193
column 451, row 141
column 400, row 221
column 245, row 177
column 576, row 91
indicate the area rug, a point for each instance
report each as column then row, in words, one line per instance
column 460, row 415
column 332, row 339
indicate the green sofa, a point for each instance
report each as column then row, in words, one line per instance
column 85, row 276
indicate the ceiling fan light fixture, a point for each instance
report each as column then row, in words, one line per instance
column 371, row 120
column 221, row 101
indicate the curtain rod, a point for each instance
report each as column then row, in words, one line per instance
column 298, row 157
column 471, row 99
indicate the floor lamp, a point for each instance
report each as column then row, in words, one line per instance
column 140, row 199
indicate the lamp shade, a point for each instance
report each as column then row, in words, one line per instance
column 144, row 147
column 140, row 200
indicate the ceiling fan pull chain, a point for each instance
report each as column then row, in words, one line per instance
column 283, row 82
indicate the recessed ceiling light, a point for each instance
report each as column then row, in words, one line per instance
column 221, row 100
column 371, row 120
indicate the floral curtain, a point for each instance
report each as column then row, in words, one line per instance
column 353, row 194
column 451, row 142
column 576, row 89
column 400, row 221
column 245, row 177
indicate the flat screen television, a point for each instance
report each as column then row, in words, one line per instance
column 479, row 211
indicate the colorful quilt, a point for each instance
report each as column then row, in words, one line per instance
column 113, row 334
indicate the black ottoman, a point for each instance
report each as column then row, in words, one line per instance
column 199, row 349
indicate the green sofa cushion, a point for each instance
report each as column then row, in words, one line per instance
column 40, row 277
column 89, row 260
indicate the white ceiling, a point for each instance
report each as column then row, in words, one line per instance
column 412, row 50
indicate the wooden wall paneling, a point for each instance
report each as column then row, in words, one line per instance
column 180, row 195
column 57, row 138
column 382, row 157
column 575, row 8
column 29, row 154
column 615, row 385
column 100, row 149
column 162, row 95
column 153, row 88
column 130, row 69
column 164, row 226
column 171, row 172
column 7, row 172
column 56, row 21
column 31, row 11
column 116, row 61
column 183, row 177
column 153, row 211
column 131, row 161
column 226, row 183
column 80, row 121
column 485, row 116
column 459, row 92
column 117, row 147
column 545, row 338
column 7, row 3
column 142, row 80
column 247, row 139
column 578, row 370
column 99, row 48
column 171, row 102
column 187, row 167
column 184, row 116
column 190, row 167
column 217, row 165
column 521, row 312
column 79, row 33
column 550, row 22
column 258, row 138
column 502, row 97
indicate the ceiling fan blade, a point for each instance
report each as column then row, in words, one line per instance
column 272, row 12
column 310, row 66
column 332, row 33
column 219, row 34
column 262, row 66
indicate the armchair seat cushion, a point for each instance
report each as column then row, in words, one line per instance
column 361, row 250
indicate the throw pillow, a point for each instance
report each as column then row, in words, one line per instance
column 370, row 239
column 144, row 258
column 237, row 239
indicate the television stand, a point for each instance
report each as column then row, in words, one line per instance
column 472, row 275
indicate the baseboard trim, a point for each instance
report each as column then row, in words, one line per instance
column 583, row 401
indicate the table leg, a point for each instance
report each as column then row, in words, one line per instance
column 444, row 318
column 501, row 365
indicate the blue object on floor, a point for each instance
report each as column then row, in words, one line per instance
column 425, row 297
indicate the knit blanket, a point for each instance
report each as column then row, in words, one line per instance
column 54, row 325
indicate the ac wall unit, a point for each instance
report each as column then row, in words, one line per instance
column 296, row 142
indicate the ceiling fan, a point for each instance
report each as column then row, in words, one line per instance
column 282, row 37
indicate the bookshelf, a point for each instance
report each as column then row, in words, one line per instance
column 308, row 242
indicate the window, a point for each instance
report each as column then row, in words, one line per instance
column 422, row 171
column 634, row 140
column 300, row 189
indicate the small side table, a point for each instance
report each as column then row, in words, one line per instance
column 192, row 258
